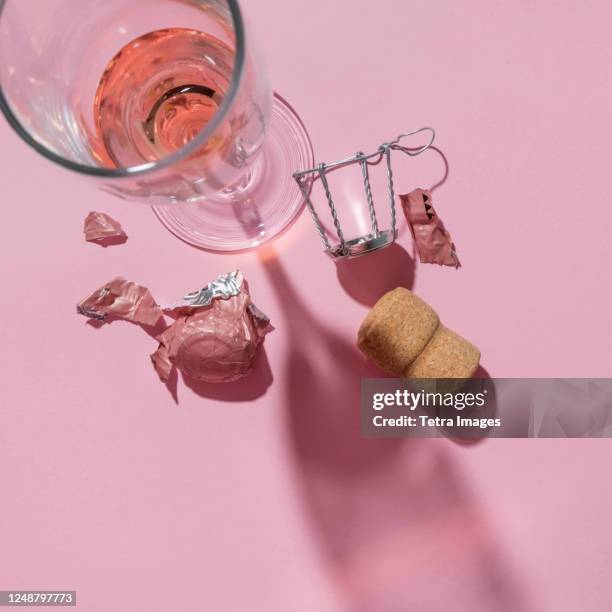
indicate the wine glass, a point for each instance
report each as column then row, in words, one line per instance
column 159, row 101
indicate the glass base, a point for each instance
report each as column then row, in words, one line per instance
column 266, row 203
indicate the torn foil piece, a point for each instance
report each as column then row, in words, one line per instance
column 223, row 287
column 216, row 335
column 121, row 299
column 433, row 243
column 101, row 228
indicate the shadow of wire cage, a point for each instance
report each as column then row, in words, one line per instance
column 376, row 238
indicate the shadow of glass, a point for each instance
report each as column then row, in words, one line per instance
column 395, row 519
column 369, row 277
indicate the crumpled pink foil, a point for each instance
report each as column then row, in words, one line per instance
column 215, row 340
column 103, row 229
column 433, row 243
column 121, row 299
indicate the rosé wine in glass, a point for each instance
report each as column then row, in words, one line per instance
column 158, row 93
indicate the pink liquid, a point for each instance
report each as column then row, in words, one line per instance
column 157, row 93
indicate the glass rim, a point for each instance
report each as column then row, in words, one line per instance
column 168, row 160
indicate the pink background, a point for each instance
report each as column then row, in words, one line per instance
column 262, row 497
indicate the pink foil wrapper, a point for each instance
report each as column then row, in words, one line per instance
column 121, row 299
column 433, row 243
column 103, row 229
column 216, row 335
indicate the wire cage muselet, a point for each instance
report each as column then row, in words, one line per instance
column 376, row 238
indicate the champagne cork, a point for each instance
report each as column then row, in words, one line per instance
column 403, row 335
column 397, row 330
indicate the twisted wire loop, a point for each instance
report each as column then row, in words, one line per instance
column 313, row 213
column 332, row 208
column 395, row 144
column 368, row 191
column 386, row 150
